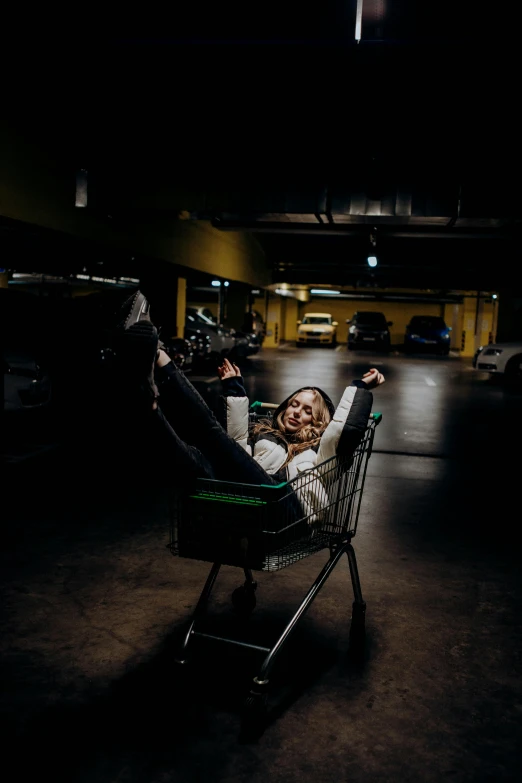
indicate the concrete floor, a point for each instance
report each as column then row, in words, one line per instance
column 93, row 605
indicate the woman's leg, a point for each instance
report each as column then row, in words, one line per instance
column 229, row 461
column 184, row 462
column 185, row 418
column 186, row 409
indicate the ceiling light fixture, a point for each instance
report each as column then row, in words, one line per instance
column 323, row 291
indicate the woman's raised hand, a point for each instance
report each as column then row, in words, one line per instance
column 228, row 370
column 373, row 378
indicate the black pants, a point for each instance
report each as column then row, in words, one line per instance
column 191, row 439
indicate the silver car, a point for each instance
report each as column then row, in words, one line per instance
column 222, row 339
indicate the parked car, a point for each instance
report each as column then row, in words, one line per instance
column 427, row 333
column 317, row 329
column 222, row 338
column 180, row 350
column 27, row 386
column 247, row 344
column 502, row 359
column 369, row 329
column 207, row 312
column 255, row 325
column 201, row 346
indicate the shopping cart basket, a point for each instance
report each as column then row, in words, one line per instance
column 262, row 528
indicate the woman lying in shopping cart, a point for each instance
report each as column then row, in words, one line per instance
column 305, row 430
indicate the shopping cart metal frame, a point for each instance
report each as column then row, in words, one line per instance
column 255, row 528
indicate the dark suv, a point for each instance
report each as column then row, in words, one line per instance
column 427, row 332
column 369, row 329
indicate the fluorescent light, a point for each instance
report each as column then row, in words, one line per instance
column 104, row 279
column 81, row 188
column 216, row 283
column 323, row 291
column 372, row 260
column 494, row 296
column 358, row 20
column 226, row 283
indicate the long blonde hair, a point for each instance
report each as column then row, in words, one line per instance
column 305, row 438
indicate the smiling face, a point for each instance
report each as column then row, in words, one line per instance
column 299, row 412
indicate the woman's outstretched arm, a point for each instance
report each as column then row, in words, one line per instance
column 349, row 422
column 236, row 403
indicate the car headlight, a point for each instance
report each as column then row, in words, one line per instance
column 445, row 336
column 415, row 336
column 493, row 352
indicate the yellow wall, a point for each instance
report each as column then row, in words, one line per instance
column 36, row 187
column 459, row 317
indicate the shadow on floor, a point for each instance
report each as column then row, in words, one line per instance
column 158, row 710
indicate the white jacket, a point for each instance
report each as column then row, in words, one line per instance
column 342, row 436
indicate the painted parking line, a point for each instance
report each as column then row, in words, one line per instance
column 430, row 381
column 340, row 348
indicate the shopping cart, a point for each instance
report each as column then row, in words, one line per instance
column 258, row 528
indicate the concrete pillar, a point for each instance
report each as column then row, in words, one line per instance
column 167, row 295
column 290, row 319
column 479, row 309
column 181, row 304
column 468, row 326
column 494, row 330
column 456, row 327
column 273, row 321
column 509, row 316
column 237, row 301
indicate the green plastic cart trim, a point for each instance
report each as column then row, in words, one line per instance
column 228, row 499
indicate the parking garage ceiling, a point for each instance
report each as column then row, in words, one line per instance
column 323, row 146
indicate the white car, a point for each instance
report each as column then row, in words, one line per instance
column 318, row 329
column 500, row 359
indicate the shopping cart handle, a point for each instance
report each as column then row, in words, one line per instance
column 257, row 404
column 376, row 417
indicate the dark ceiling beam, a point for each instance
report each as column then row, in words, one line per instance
column 361, row 231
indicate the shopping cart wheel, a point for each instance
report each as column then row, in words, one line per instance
column 254, row 715
column 244, row 599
